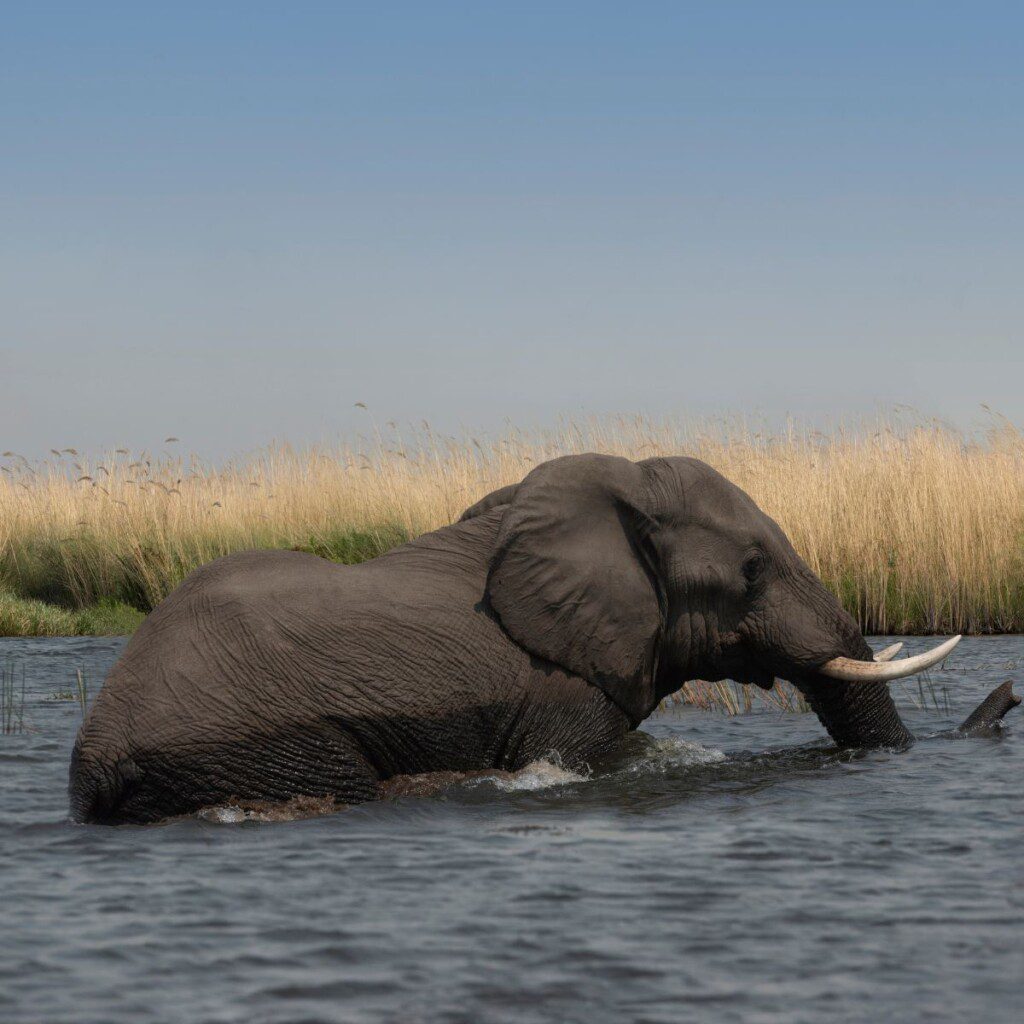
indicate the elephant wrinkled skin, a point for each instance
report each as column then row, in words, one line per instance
column 553, row 617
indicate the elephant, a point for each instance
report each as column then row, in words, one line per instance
column 555, row 615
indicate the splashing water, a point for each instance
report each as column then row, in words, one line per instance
column 271, row 810
column 666, row 755
column 543, row 773
column 658, row 757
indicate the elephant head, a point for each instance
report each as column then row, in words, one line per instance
column 640, row 576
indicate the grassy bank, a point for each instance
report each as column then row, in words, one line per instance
column 20, row 616
column 917, row 529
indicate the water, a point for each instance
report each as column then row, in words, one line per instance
column 685, row 880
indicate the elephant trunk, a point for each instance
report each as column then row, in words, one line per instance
column 856, row 714
column 864, row 715
column 834, row 668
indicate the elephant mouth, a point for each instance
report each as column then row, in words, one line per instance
column 758, row 676
column 745, row 670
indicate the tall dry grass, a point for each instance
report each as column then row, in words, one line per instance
column 917, row 528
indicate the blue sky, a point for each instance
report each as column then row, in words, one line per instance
column 231, row 222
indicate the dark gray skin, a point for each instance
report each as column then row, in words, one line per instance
column 986, row 719
column 554, row 616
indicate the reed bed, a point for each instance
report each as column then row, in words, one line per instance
column 916, row 527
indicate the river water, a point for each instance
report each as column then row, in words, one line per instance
column 720, row 869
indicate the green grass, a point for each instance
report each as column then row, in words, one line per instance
column 68, row 590
column 21, row 616
column 27, row 617
column 108, row 618
column 349, row 547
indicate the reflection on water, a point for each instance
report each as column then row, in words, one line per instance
column 726, row 869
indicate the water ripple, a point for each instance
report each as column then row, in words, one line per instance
column 714, row 869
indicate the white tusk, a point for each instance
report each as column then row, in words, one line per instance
column 852, row 671
column 889, row 653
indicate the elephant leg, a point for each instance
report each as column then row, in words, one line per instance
column 315, row 760
column 576, row 731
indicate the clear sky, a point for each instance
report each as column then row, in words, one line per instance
column 232, row 221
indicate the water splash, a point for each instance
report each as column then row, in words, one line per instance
column 543, row 773
column 269, row 810
column 657, row 757
column 667, row 754
column 230, row 815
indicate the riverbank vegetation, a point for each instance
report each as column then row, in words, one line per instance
column 20, row 616
column 916, row 527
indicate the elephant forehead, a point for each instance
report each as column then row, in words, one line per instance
column 686, row 489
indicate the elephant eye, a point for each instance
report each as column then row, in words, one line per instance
column 753, row 567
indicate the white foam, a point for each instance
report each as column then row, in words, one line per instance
column 544, row 773
column 224, row 815
column 667, row 753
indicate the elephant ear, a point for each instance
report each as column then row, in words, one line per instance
column 502, row 496
column 568, row 579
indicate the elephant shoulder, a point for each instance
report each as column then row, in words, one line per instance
column 459, row 551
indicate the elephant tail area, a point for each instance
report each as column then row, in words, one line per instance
column 98, row 785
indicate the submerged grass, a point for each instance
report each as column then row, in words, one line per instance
column 82, row 691
column 916, row 527
column 12, row 699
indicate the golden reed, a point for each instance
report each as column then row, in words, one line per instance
column 917, row 528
